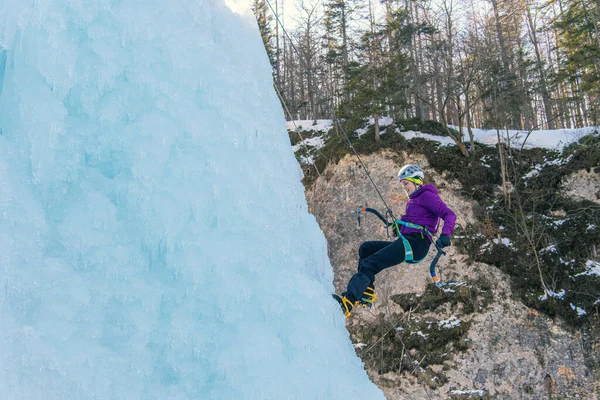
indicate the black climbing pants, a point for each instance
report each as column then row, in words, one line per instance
column 375, row 256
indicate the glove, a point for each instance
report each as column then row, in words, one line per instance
column 443, row 241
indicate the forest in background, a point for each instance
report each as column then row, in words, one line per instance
column 512, row 64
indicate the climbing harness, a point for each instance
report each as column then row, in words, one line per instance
column 407, row 247
column 409, row 256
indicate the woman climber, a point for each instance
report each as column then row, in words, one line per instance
column 415, row 232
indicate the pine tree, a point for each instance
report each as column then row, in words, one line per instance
column 379, row 80
column 396, row 82
column 264, row 20
column 579, row 27
column 339, row 15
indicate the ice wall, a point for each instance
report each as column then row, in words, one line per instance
column 155, row 242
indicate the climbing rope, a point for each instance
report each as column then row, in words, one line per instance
column 388, row 209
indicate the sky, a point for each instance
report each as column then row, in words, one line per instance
column 290, row 10
column 155, row 241
column 291, row 13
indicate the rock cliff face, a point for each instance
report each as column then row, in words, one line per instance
column 473, row 340
column 583, row 185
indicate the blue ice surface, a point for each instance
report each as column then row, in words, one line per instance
column 155, row 242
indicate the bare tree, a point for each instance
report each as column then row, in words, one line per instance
column 532, row 25
column 309, row 20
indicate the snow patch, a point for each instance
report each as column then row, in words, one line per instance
column 317, row 142
column 592, row 268
column 449, row 323
column 531, row 174
column 442, row 140
column 307, row 160
column 467, row 392
column 484, row 161
column 446, row 286
column 551, row 249
column 580, row 311
column 322, row 125
column 385, row 121
column 549, row 139
column 505, row 241
column 419, row 333
column 550, row 293
column 566, row 262
column 361, row 131
column 539, row 167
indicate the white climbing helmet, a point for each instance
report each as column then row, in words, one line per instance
column 411, row 171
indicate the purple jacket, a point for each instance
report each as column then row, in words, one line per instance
column 425, row 208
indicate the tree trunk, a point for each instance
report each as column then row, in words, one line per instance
column 578, row 105
column 514, row 113
column 439, row 87
column 422, row 88
column 450, row 84
column 412, row 48
column 542, row 74
column 500, row 36
column 502, row 166
column 433, row 88
column 292, row 83
column 345, row 52
column 528, row 114
column 457, row 140
column 469, row 123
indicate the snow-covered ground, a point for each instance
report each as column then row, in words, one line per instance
column 592, row 268
column 550, row 139
column 322, row 125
